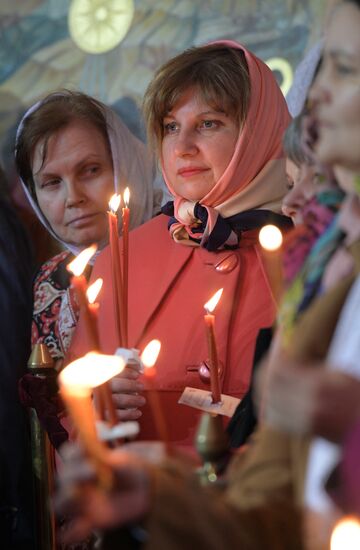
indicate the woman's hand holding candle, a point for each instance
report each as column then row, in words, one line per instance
column 92, row 508
column 126, row 388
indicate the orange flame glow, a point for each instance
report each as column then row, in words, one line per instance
column 212, row 303
column 270, row 237
column 78, row 265
column 90, row 371
column 126, row 196
column 151, row 353
column 93, row 290
column 346, row 534
column 114, row 203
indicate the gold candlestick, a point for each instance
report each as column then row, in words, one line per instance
column 212, row 444
column 41, row 364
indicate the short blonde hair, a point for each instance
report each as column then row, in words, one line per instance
column 218, row 72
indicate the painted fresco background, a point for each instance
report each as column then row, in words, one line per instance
column 37, row 54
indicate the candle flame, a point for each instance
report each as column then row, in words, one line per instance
column 91, row 370
column 151, row 353
column 93, row 290
column 346, row 534
column 212, row 303
column 78, row 265
column 114, row 203
column 126, row 196
column 270, row 237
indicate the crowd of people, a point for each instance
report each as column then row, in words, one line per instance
column 233, row 161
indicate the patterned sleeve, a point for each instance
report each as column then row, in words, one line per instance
column 54, row 314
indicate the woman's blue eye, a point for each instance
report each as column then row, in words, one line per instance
column 210, row 124
column 342, row 69
column 170, row 127
column 50, row 183
column 92, row 169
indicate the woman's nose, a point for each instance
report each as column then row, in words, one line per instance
column 292, row 203
column 74, row 194
column 289, row 210
column 319, row 91
column 186, row 144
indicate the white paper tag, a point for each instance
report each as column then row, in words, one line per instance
column 202, row 399
column 131, row 357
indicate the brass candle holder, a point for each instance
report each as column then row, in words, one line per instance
column 212, row 444
column 41, row 365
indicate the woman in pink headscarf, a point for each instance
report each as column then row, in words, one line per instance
column 216, row 118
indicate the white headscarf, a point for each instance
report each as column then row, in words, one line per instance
column 303, row 78
column 132, row 164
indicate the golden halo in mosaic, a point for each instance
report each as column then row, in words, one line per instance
column 98, row 26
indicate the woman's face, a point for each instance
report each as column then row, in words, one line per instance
column 302, row 187
column 336, row 91
column 197, row 147
column 74, row 184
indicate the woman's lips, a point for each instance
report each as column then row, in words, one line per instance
column 191, row 171
column 82, row 221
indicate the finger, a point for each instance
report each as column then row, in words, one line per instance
column 72, row 452
column 78, row 472
column 129, row 373
column 128, row 414
column 122, row 385
column 128, row 401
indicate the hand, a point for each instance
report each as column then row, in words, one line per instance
column 125, row 390
column 89, row 506
column 155, row 453
column 313, row 399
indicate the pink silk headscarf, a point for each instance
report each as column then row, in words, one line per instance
column 255, row 177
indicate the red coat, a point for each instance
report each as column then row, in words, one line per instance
column 169, row 284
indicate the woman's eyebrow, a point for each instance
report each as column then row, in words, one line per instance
column 340, row 53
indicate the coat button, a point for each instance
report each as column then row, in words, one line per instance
column 204, row 372
column 227, row 264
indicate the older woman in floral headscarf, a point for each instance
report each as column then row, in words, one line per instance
column 72, row 154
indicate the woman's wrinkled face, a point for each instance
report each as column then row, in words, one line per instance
column 336, row 91
column 197, row 146
column 74, row 183
column 303, row 184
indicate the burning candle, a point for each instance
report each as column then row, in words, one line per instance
column 93, row 306
column 77, row 381
column 149, row 357
column 270, row 238
column 212, row 348
column 102, row 394
column 92, row 293
column 346, row 534
column 116, row 274
column 79, row 284
column 125, row 251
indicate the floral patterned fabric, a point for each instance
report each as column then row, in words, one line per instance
column 56, row 311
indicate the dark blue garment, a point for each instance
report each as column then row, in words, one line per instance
column 238, row 223
column 16, row 271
